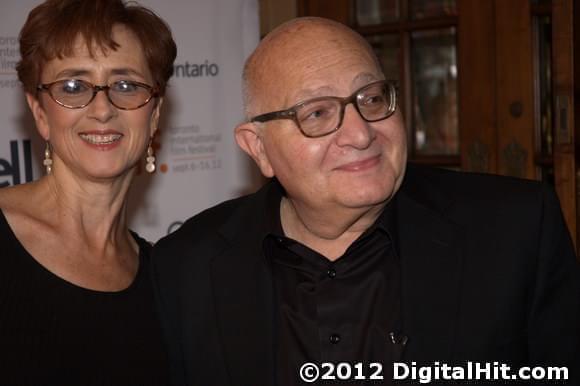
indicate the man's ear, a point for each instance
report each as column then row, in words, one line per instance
column 249, row 139
column 39, row 116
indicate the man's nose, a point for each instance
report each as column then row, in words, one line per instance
column 354, row 130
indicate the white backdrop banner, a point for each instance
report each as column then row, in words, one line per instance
column 198, row 162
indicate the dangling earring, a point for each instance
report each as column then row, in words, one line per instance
column 150, row 165
column 47, row 158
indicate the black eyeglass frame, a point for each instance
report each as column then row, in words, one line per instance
column 292, row 112
column 153, row 92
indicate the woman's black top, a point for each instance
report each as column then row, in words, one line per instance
column 53, row 332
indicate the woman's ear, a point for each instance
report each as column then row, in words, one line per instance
column 39, row 116
column 154, row 123
column 250, row 140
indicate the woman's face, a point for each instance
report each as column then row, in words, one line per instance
column 98, row 141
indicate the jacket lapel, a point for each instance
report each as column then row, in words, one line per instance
column 429, row 247
column 242, row 288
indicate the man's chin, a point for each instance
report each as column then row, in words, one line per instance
column 368, row 198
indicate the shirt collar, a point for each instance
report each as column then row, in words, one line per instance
column 386, row 222
column 273, row 200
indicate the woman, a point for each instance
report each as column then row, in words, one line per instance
column 76, row 304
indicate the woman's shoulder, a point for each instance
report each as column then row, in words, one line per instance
column 9, row 196
column 15, row 215
column 24, row 215
column 12, row 203
column 17, row 198
column 22, row 199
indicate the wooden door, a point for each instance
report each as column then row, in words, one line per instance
column 503, row 75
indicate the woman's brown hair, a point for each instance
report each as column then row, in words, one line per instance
column 52, row 28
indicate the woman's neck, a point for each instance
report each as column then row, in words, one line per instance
column 93, row 210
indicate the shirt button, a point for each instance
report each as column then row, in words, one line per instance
column 331, row 273
column 334, row 338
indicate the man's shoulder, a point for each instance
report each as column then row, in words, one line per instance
column 467, row 197
column 204, row 226
column 214, row 216
column 464, row 185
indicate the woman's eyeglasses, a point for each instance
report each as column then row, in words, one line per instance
column 76, row 94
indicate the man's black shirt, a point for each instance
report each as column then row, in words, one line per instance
column 341, row 311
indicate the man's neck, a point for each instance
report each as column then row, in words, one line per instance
column 329, row 232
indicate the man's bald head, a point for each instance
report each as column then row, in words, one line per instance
column 297, row 74
column 299, row 45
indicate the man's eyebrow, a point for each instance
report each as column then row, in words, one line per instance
column 359, row 81
column 363, row 78
column 310, row 93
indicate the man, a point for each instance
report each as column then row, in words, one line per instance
column 347, row 257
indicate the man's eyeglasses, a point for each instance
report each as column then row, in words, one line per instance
column 321, row 116
column 76, row 94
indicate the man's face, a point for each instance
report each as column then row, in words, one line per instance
column 359, row 165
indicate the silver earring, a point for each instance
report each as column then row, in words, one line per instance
column 150, row 165
column 47, row 158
